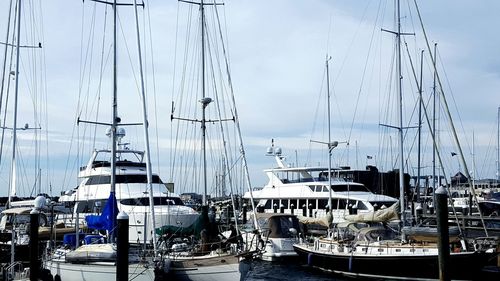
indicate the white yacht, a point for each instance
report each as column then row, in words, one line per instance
column 304, row 191
column 131, row 193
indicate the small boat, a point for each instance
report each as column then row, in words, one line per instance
column 490, row 203
column 277, row 234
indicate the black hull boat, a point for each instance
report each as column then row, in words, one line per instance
column 463, row 266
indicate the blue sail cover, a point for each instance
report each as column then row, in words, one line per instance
column 107, row 220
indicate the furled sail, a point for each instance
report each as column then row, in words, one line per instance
column 383, row 215
column 107, row 220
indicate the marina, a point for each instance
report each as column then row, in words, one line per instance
column 219, row 140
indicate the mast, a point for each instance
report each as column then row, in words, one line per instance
column 115, row 118
column 498, row 146
column 5, row 64
column 434, row 148
column 16, row 94
column 420, row 103
column 14, row 131
column 400, row 113
column 330, row 207
column 204, row 102
column 146, row 133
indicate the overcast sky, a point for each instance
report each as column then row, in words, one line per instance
column 277, row 53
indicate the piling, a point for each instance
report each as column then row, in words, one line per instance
column 34, row 258
column 443, row 239
column 122, row 247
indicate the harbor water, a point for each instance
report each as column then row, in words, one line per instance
column 287, row 270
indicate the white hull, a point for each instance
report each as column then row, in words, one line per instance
column 225, row 272
column 211, row 267
column 97, row 271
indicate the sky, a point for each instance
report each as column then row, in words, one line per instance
column 277, row 52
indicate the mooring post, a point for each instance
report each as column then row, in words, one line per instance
column 442, row 227
column 34, row 262
column 122, row 247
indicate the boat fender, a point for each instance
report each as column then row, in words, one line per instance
column 350, row 263
column 309, row 259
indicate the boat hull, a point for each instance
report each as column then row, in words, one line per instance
column 463, row 266
column 98, row 271
column 216, row 268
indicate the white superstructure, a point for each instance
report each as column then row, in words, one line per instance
column 305, row 191
column 131, row 193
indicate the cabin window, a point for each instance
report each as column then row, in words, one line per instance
column 144, row 201
column 268, row 204
column 380, row 250
column 349, row 187
column 302, row 203
column 123, row 179
column 322, row 203
column 284, row 202
column 342, row 204
column 362, row 206
column 325, row 189
column 311, row 203
column 335, row 203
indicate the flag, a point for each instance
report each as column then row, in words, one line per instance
column 453, row 154
column 369, row 157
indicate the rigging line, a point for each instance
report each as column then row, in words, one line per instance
column 78, row 111
column 363, row 75
column 316, row 113
column 89, row 60
column 182, row 84
column 153, row 72
column 84, row 60
column 3, row 76
column 445, row 104
column 129, row 56
column 171, row 170
column 101, row 73
column 453, row 99
column 242, row 149
column 44, row 102
column 490, row 153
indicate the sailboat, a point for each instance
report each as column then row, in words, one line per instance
column 115, row 175
column 210, row 255
column 14, row 218
column 375, row 249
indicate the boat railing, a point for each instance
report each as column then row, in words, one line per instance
column 10, row 272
